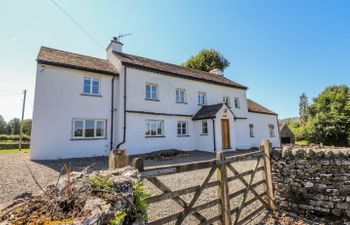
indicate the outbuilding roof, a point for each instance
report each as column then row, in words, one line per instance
column 257, row 108
column 71, row 60
column 175, row 70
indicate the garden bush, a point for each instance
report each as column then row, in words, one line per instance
column 13, row 137
column 13, row 145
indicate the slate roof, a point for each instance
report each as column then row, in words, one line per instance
column 71, row 60
column 257, row 108
column 175, row 70
column 207, row 111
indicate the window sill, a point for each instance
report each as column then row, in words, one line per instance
column 204, row 134
column 154, row 136
column 202, row 104
column 87, row 139
column 183, row 135
column 181, row 103
column 149, row 99
column 91, row 95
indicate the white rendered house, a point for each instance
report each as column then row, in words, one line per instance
column 86, row 106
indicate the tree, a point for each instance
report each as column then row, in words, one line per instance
column 303, row 109
column 329, row 117
column 207, row 60
column 15, row 125
column 3, row 125
column 27, row 126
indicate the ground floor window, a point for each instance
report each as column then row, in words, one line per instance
column 154, row 128
column 272, row 130
column 89, row 128
column 251, row 130
column 204, row 127
column 182, row 128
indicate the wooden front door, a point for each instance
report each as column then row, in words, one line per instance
column 225, row 133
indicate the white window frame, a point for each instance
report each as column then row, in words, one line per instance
column 180, row 90
column 158, row 123
column 271, row 130
column 91, row 81
column 227, row 101
column 181, row 128
column 151, row 97
column 206, row 127
column 84, row 126
column 251, row 130
column 200, row 94
column 237, row 103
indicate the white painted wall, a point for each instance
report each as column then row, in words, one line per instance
column 57, row 101
column 137, row 79
column 261, row 129
column 136, row 142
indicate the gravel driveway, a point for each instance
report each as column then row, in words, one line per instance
column 15, row 179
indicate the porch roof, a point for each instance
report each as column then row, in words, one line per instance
column 207, row 112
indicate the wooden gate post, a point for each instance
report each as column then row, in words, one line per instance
column 223, row 191
column 266, row 146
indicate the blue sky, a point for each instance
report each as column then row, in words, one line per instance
column 278, row 49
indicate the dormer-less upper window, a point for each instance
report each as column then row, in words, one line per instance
column 91, row 86
column 152, row 92
column 237, row 104
column 202, row 98
column 227, row 101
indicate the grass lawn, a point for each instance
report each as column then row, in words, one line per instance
column 13, row 151
column 302, row 142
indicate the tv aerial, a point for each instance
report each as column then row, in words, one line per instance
column 120, row 36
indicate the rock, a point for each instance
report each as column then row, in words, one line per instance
column 308, row 184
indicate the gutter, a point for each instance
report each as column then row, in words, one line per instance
column 124, row 126
column 214, row 136
column 112, row 112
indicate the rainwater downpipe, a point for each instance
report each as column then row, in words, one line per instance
column 124, row 126
column 112, row 112
column 214, row 136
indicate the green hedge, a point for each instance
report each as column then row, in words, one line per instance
column 13, row 137
column 4, row 146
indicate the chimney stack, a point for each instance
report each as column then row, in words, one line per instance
column 217, row 72
column 115, row 45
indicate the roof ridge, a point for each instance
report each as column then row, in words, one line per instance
column 73, row 53
column 172, row 64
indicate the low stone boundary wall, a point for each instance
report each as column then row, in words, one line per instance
column 312, row 181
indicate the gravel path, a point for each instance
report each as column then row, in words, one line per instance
column 15, row 179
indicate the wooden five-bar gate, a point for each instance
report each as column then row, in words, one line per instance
column 226, row 215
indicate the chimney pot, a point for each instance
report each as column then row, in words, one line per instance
column 217, row 72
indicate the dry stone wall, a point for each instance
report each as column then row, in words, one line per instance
column 313, row 181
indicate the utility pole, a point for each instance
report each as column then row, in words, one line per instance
column 21, row 129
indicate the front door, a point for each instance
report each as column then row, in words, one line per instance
column 225, row 133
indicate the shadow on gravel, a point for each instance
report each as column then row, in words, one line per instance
column 157, row 158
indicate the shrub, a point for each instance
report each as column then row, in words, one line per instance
column 4, row 146
column 13, row 137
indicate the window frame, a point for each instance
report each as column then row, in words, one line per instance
column 207, row 130
column 149, row 127
column 91, row 85
column 251, row 130
column 83, row 137
column 237, row 103
column 204, row 94
column 272, row 132
column 184, row 95
column 156, row 98
column 182, row 134
column 228, row 103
